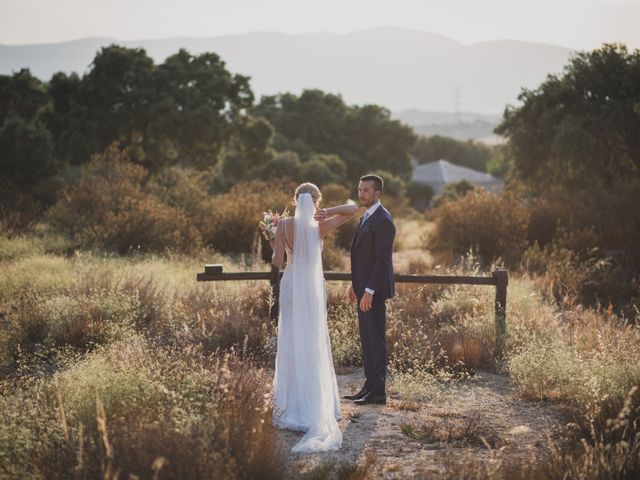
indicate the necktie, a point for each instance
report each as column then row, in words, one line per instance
column 366, row 215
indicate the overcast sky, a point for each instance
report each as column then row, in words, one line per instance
column 580, row 24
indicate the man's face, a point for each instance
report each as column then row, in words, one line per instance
column 367, row 194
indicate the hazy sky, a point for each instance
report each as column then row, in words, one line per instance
column 579, row 24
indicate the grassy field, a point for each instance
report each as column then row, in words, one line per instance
column 126, row 367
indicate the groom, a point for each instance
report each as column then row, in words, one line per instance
column 371, row 284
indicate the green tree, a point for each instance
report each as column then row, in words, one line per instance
column 200, row 107
column 22, row 95
column 186, row 110
column 581, row 128
column 117, row 95
column 249, row 151
column 363, row 137
column 468, row 154
column 73, row 137
column 283, row 165
column 499, row 165
column 374, row 141
column 324, row 169
column 26, row 152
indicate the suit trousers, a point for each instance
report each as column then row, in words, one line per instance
column 372, row 325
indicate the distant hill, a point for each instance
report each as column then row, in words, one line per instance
column 461, row 126
column 398, row 68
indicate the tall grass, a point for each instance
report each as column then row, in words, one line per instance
column 133, row 409
column 126, row 366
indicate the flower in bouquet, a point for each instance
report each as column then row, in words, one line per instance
column 269, row 223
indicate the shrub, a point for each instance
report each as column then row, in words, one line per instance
column 585, row 243
column 19, row 246
column 573, row 269
column 420, row 194
column 495, row 226
column 453, row 191
column 232, row 224
column 335, row 194
column 45, row 326
column 108, row 208
column 19, row 211
column 333, row 256
column 323, row 169
column 393, row 185
column 283, row 165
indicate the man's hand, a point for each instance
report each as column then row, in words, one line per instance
column 321, row 215
column 351, row 294
column 365, row 302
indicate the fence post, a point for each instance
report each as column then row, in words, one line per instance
column 501, row 277
column 274, row 280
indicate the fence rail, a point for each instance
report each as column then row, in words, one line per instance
column 499, row 278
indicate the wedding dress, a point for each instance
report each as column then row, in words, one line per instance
column 304, row 385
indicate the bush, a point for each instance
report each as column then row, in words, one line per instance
column 495, row 226
column 585, row 244
column 587, row 275
column 453, row 191
column 323, row 169
column 232, row 224
column 393, row 185
column 108, row 208
column 334, row 194
column 283, row 165
column 19, row 211
column 420, row 194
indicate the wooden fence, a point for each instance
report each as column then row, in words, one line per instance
column 499, row 278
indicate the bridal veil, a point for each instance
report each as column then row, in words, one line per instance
column 304, row 352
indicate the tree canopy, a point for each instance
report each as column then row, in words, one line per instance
column 581, row 128
column 364, row 137
column 468, row 154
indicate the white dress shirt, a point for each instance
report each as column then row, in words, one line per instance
column 372, row 209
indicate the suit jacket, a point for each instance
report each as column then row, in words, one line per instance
column 371, row 255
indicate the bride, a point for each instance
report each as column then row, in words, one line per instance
column 305, row 391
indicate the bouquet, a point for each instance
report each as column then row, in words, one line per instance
column 269, row 223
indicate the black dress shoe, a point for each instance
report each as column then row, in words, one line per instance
column 372, row 399
column 358, row 395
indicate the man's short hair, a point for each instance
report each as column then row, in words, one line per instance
column 378, row 183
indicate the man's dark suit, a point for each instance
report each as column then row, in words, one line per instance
column 371, row 267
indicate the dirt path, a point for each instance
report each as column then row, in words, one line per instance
column 480, row 420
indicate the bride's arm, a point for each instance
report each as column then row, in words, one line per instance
column 277, row 245
column 336, row 216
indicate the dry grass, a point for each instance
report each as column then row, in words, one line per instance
column 405, row 405
column 176, row 367
column 133, row 409
column 452, row 428
column 363, row 470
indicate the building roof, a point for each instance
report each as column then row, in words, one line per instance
column 439, row 173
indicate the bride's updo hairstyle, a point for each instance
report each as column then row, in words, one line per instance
column 309, row 188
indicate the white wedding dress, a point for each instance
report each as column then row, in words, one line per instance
column 305, row 391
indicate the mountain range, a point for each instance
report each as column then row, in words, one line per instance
column 398, row 68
